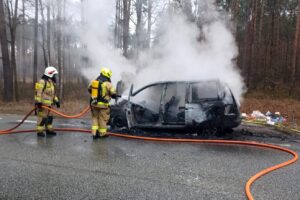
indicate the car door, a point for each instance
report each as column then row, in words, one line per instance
column 202, row 96
column 144, row 106
column 173, row 103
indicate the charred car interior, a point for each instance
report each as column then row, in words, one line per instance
column 201, row 106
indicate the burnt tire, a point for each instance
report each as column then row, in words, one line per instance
column 220, row 132
column 119, row 121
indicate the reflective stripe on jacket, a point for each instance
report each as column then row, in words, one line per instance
column 45, row 92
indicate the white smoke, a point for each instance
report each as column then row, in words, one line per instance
column 183, row 52
column 98, row 38
column 180, row 55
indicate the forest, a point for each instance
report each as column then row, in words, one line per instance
column 39, row 33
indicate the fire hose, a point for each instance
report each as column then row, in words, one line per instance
column 227, row 142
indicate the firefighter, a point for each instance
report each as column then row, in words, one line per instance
column 101, row 91
column 45, row 95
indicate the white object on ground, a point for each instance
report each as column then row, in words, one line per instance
column 258, row 115
column 244, row 115
column 277, row 113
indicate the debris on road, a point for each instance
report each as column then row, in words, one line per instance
column 274, row 119
column 270, row 119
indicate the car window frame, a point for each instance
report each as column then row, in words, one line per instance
column 190, row 92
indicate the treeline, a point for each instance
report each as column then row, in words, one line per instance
column 38, row 33
column 267, row 35
column 35, row 34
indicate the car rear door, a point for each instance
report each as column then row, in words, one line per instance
column 173, row 103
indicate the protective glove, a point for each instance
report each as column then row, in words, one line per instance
column 115, row 96
column 57, row 103
column 38, row 105
column 94, row 101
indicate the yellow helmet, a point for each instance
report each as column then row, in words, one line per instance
column 106, row 72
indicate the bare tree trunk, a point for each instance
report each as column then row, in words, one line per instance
column 138, row 30
column 12, row 16
column 117, row 24
column 7, row 71
column 126, row 18
column 254, row 45
column 260, row 45
column 262, row 10
column 23, row 49
column 49, row 34
column 35, row 56
column 59, row 47
column 43, row 35
column 64, row 40
column 149, row 19
column 274, row 43
column 296, row 51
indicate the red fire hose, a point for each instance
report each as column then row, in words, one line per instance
column 229, row 142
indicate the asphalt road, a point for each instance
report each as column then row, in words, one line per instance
column 72, row 166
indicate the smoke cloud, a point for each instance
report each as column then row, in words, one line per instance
column 98, row 38
column 183, row 51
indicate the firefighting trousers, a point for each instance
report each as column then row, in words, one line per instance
column 100, row 118
column 44, row 120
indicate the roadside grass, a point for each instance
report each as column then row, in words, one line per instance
column 23, row 107
column 75, row 99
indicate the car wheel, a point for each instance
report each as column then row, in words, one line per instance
column 119, row 121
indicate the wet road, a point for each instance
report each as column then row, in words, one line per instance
column 72, row 166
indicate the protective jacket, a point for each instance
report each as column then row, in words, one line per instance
column 101, row 91
column 45, row 92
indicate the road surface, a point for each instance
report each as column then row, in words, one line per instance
column 73, row 166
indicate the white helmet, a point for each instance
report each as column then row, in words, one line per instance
column 50, row 71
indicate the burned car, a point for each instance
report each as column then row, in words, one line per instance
column 179, row 105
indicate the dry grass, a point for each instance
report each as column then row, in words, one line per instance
column 22, row 108
column 75, row 99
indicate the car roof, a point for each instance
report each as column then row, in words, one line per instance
column 175, row 82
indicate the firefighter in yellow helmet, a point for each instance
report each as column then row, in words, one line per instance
column 45, row 95
column 101, row 91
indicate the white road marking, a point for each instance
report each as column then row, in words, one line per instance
column 74, row 125
column 27, row 121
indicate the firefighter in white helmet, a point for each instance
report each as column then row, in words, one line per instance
column 101, row 91
column 45, row 95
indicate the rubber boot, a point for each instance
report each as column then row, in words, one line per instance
column 51, row 133
column 96, row 136
column 41, row 134
column 103, row 135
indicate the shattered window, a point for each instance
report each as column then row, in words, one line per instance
column 149, row 98
column 204, row 90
